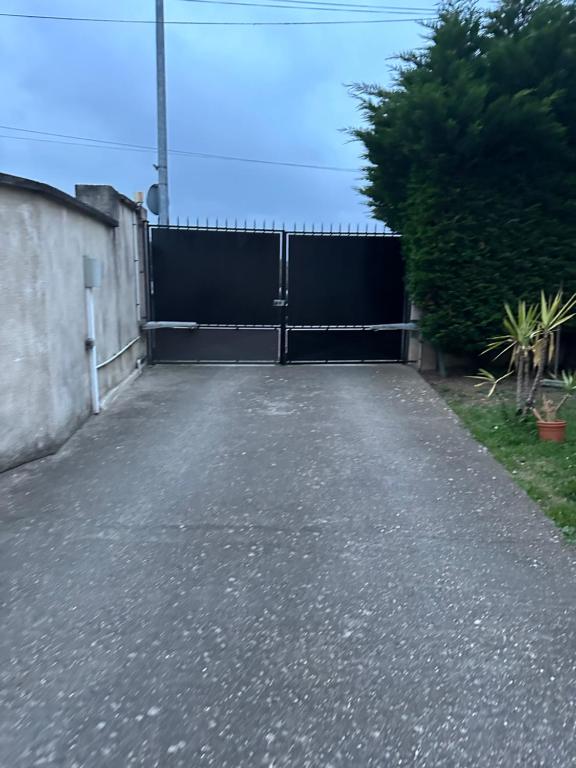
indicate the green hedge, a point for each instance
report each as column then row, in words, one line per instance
column 473, row 161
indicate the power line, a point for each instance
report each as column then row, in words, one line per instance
column 311, row 5
column 213, row 23
column 118, row 145
column 390, row 8
column 78, row 138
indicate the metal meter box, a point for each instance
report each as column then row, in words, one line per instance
column 92, row 272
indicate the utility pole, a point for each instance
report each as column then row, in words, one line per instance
column 163, row 204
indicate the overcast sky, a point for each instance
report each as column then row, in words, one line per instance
column 276, row 93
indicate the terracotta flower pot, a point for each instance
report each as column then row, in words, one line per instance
column 552, row 430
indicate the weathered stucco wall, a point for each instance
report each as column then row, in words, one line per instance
column 44, row 372
column 118, row 302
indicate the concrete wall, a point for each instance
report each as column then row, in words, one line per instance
column 44, row 371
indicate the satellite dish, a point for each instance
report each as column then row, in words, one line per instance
column 153, row 199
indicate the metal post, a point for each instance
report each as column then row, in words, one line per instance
column 163, row 213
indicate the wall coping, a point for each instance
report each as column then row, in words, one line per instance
column 106, row 199
column 28, row 185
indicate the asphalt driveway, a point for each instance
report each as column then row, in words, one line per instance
column 311, row 567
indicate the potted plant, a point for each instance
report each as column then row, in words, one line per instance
column 549, row 426
column 529, row 341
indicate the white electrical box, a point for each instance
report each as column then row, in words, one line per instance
column 92, row 272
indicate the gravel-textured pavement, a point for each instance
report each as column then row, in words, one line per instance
column 311, row 567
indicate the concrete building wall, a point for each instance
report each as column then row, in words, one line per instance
column 44, row 371
column 122, row 287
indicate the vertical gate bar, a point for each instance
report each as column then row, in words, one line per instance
column 285, row 335
column 282, row 294
column 144, row 245
column 150, row 290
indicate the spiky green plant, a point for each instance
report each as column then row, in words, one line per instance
column 521, row 329
column 529, row 341
column 550, row 407
column 553, row 314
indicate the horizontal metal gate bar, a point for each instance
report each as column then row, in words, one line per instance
column 386, row 327
column 161, row 324
column 158, row 326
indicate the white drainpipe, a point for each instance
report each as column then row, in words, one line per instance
column 92, row 279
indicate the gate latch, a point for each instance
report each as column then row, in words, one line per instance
column 279, row 303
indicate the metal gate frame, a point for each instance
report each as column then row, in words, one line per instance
column 241, row 328
column 288, row 327
column 282, row 302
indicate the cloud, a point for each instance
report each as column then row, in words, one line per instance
column 267, row 92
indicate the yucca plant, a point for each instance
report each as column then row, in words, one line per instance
column 529, row 341
column 553, row 314
column 521, row 330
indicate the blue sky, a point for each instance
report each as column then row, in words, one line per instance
column 276, row 93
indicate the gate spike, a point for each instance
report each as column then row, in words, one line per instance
column 357, row 229
column 254, row 223
column 330, row 227
column 178, row 221
column 349, row 227
column 339, row 229
column 312, row 226
column 273, row 225
column 216, row 222
column 366, row 227
column 322, row 227
column 207, row 223
column 197, row 221
column 245, row 225
column 264, row 225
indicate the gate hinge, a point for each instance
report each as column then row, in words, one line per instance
column 279, row 303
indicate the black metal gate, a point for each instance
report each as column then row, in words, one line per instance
column 261, row 295
column 337, row 288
